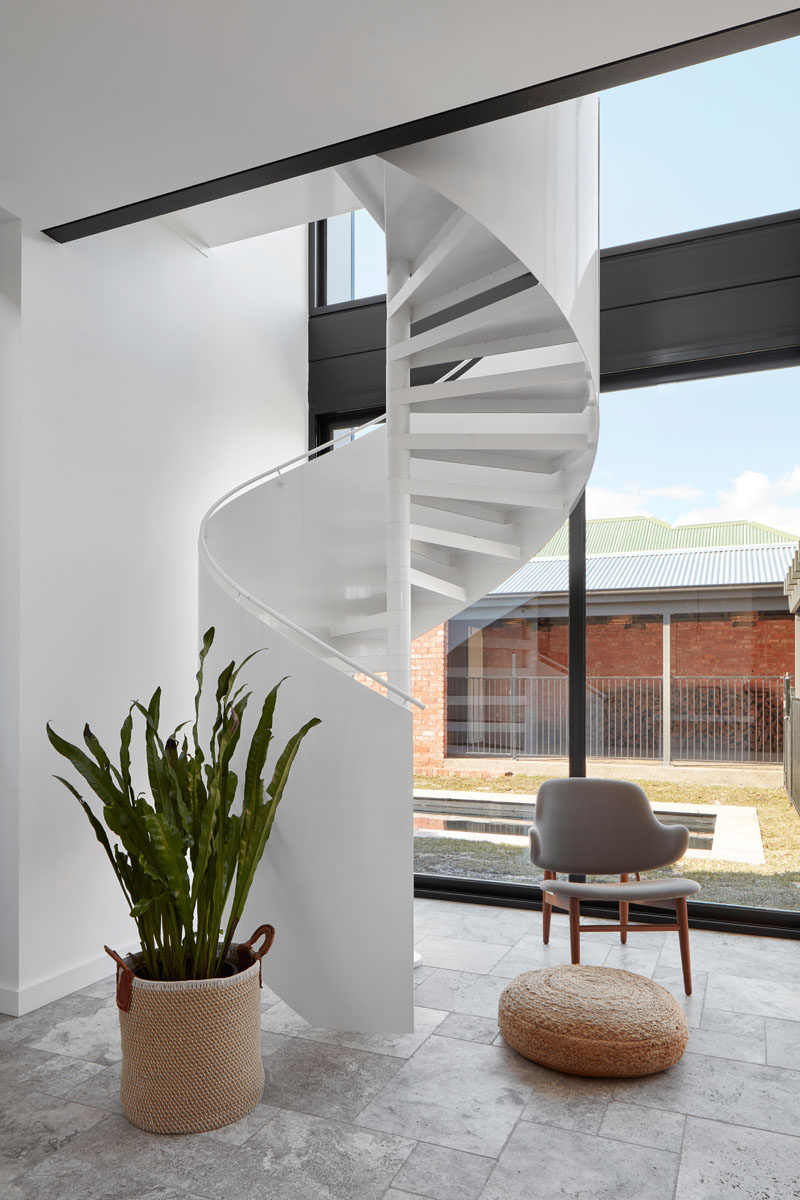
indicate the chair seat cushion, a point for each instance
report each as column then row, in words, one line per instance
column 595, row 1021
column 647, row 890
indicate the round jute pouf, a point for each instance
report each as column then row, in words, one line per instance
column 593, row 1021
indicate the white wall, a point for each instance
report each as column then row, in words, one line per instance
column 153, row 379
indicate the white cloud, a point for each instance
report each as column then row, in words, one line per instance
column 633, row 500
column 755, row 497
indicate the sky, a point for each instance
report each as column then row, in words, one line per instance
column 710, row 144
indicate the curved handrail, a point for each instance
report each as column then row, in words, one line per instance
column 257, row 606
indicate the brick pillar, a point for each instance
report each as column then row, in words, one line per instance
column 429, row 684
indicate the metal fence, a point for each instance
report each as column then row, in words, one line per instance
column 791, row 742
column 712, row 719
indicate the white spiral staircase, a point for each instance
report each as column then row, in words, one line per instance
column 492, row 293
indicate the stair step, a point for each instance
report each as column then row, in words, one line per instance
column 463, row 541
column 554, row 364
column 360, row 623
column 433, row 583
column 487, row 460
column 532, row 305
column 494, row 496
column 459, row 512
column 443, row 243
column 467, row 291
column 518, row 442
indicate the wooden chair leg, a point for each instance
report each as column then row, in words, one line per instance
column 547, row 911
column 623, row 914
column 574, row 929
column 683, row 937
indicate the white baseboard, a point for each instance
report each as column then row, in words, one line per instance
column 18, row 1002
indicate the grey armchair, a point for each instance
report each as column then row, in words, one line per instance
column 607, row 827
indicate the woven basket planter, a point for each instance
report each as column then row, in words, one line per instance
column 191, row 1050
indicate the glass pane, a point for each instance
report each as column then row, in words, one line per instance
column 370, row 256
column 702, row 146
column 694, row 516
column 694, row 507
column 340, row 267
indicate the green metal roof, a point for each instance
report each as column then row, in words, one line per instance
column 615, row 535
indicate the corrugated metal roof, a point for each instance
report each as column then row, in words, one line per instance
column 617, row 535
column 718, row 566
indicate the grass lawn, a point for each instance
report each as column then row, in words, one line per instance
column 776, row 884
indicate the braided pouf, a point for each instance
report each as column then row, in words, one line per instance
column 593, row 1021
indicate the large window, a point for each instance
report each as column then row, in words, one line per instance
column 355, row 265
column 703, row 146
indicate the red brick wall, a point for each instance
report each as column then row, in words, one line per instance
column 716, row 644
column 428, row 674
column 754, row 643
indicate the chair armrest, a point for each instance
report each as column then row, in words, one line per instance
column 676, row 841
column 536, row 845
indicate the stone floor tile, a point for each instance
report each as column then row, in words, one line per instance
column 300, row 1157
column 727, row 1045
column 530, row 954
column 474, row 922
column 270, row 1042
column 644, row 1126
column 461, row 992
column 239, row 1132
column 755, row 958
column 721, row 1089
column 561, row 1162
column 282, row 1020
column 443, row 1174
column 759, row 997
column 567, row 1101
column 34, row 1125
column 62, row 1177
column 783, row 1043
column 459, row 954
column 422, row 972
column 743, row 1024
column 102, row 1090
column 38, row 1023
column 639, row 958
column 468, row 1029
column 117, row 1149
column 323, row 1080
column 36, row 1070
column 458, row 1094
column 94, row 1036
column 722, row 1161
column 672, row 979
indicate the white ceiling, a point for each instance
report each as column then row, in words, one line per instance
column 105, row 102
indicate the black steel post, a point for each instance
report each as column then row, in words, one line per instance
column 577, row 639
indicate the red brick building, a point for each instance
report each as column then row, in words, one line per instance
column 688, row 637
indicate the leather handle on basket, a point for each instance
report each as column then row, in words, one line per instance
column 268, row 933
column 124, row 980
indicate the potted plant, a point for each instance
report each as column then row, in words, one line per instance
column 185, row 857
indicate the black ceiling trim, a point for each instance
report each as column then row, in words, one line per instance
column 540, row 95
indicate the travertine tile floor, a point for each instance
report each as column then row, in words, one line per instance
column 448, row 1112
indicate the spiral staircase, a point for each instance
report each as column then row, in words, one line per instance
column 488, row 440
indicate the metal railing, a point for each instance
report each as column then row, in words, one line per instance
column 257, row 606
column 728, row 719
column 713, row 719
